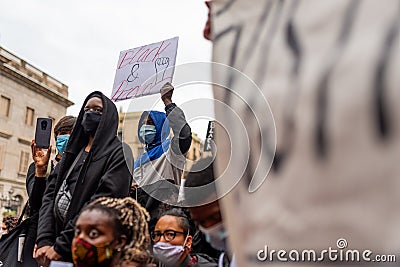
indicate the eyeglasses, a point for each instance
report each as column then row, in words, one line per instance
column 169, row 235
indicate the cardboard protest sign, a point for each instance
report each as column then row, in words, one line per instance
column 144, row 70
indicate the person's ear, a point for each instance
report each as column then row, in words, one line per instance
column 189, row 241
column 121, row 242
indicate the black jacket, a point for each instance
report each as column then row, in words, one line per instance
column 204, row 260
column 104, row 173
column 35, row 187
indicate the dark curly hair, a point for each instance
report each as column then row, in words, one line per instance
column 182, row 217
column 64, row 125
column 10, row 221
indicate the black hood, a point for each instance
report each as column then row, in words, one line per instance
column 106, row 132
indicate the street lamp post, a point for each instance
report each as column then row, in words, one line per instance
column 10, row 202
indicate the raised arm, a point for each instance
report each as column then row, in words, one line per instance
column 182, row 133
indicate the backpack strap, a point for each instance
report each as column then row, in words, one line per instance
column 23, row 212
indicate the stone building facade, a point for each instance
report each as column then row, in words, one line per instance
column 26, row 93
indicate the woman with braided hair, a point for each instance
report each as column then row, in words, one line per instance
column 111, row 232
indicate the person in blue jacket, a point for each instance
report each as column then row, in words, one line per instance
column 157, row 172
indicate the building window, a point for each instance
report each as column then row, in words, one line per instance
column 30, row 113
column 23, row 162
column 16, row 203
column 5, row 106
column 194, row 153
column 2, row 151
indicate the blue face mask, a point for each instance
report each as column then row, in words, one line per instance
column 147, row 133
column 61, row 143
column 215, row 236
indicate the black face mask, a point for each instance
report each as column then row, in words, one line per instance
column 90, row 122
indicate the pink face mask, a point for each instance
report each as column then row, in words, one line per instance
column 169, row 254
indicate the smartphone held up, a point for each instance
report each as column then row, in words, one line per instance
column 43, row 132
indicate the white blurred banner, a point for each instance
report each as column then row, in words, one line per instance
column 330, row 73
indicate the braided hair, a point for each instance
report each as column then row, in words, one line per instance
column 130, row 219
column 10, row 221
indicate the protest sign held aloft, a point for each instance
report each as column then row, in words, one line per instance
column 144, row 70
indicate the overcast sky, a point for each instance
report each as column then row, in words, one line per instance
column 78, row 42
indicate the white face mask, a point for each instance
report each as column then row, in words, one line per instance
column 215, row 235
column 167, row 253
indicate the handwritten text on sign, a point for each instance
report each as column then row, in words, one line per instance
column 209, row 136
column 144, row 70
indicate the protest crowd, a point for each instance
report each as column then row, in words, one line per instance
column 94, row 205
column 99, row 207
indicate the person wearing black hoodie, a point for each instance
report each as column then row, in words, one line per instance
column 95, row 164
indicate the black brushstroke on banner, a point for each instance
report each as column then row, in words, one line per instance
column 381, row 107
column 321, row 135
column 294, row 45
